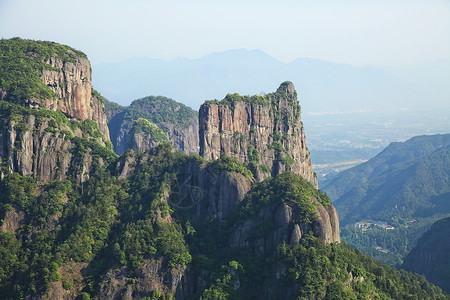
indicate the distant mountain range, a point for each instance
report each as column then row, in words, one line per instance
column 322, row 86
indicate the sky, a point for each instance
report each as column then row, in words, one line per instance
column 357, row 32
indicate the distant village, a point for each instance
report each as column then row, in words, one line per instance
column 364, row 225
column 373, row 224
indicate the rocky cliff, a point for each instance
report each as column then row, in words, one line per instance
column 264, row 132
column 48, row 110
column 33, row 144
column 71, row 82
column 179, row 122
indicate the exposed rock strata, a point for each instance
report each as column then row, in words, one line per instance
column 37, row 150
column 12, row 220
column 269, row 124
column 72, row 84
column 37, row 144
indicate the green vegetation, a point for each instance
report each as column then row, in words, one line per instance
column 340, row 272
column 434, row 245
column 287, row 188
column 231, row 164
column 387, row 246
column 266, row 100
column 110, row 223
column 149, row 129
column 159, row 109
column 103, row 225
column 112, row 109
column 406, row 181
column 231, row 99
column 98, row 96
column 20, row 64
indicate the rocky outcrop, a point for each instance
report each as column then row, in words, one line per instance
column 12, row 220
column 207, row 192
column 71, row 81
column 212, row 193
column 183, row 137
column 264, row 132
column 37, row 128
column 151, row 278
column 273, row 225
column 71, row 276
column 31, row 146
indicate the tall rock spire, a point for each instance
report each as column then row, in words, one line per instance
column 264, row 132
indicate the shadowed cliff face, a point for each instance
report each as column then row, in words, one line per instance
column 264, row 132
column 179, row 122
column 32, row 147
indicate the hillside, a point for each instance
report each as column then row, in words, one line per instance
column 406, row 180
column 431, row 256
column 79, row 222
column 132, row 232
column 406, row 186
column 175, row 122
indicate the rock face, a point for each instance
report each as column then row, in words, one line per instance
column 179, row 122
column 36, row 132
column 281, row 226
column 183, row 137
column 207, row 192
column 31, row 147
column 151, row 276
column 264, row 132
column 72, row 84
column 12, row 220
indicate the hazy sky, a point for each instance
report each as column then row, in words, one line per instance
column 376, row 32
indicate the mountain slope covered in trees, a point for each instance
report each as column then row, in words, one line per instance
column 160, row 224
column 431, row 256
column 405, row 186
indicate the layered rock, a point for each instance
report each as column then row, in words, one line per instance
column 31, row 146
column 40, row 120
column 264, row 132
column 71, row 81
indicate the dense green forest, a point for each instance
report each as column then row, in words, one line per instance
column 108, row 222
column 431, row 256
column 157, row 109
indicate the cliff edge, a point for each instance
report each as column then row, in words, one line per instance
column 263, row 132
